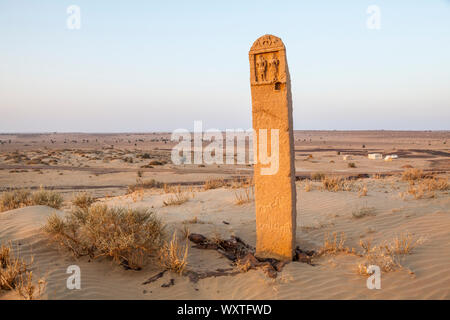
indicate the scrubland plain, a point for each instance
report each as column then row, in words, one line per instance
column 141, row 227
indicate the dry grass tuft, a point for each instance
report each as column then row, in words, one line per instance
column 308, row 186
column 436, row 184
column 29, row 289
column 83, row 200
column 214, row 184
column 245, row 196
column 15, row 199
column 185, row 232
column 362, row 191
column 387, row 255
column 239, row 183
column 420, row 192
column 15, row 275
column 334, row 244
column 128, row 236
column 22, row 198
column 404, row 244
column 425, row 189
column 177, row 198
column 194, row 220
column 172, row 256
column 44, row 197
column 335, row 183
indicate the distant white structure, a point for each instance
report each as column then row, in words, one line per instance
column 375, row 156
column 390, row 157
column 347, row 157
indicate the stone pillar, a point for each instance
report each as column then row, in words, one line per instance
column 275, row 194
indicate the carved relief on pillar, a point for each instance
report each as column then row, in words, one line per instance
column 273, row 68
column 267, row 68
column 261, row 69
column 267, row 56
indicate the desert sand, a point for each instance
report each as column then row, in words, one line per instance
column 99, row 163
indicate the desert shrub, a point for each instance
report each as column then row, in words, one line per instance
column 377, row 255
column 15, row 275
column 128, row 236
column 387, row 255
column 29, row 289
column 351, row 165
column 22, row 198
column 412, row 174
column 15, row 199
column 83, row 200
column 10, row 268
column 172, row 256
column 49, row 198
column 149, row 184
column 363, row 212
column 425, row 189
column 334, row 183
column 420, row 192
column 435, row 184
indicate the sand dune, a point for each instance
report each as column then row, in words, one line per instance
column 320, row 212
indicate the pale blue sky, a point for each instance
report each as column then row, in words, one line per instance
column 158, row 66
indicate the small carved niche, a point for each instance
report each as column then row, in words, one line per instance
column 277, row 86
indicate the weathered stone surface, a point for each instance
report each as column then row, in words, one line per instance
column 275, row 195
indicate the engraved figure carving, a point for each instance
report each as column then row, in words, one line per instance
column 261, row 68
column 273, row 65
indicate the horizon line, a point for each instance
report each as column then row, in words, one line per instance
column 150, row 132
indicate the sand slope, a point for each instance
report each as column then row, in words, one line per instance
column 333, row 277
